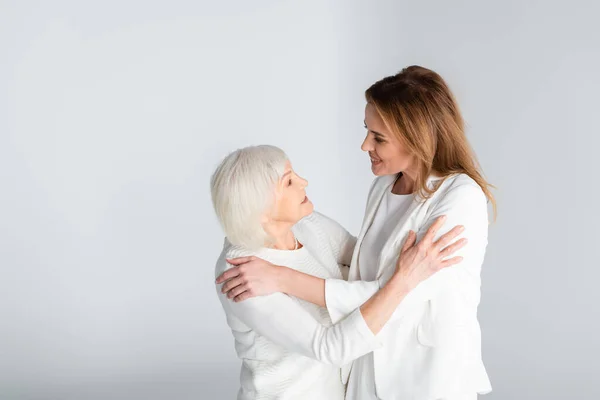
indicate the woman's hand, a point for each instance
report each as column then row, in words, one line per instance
column 251, row 276
column 418, row 261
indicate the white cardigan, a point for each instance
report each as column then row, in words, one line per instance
column 289, row 348
column 432, row 345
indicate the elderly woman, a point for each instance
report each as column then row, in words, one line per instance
column 289, row 347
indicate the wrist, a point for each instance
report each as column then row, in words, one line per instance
column 400, row 284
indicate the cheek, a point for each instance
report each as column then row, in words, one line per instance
column 394, row 158
column 387, row 153
column 291, row 208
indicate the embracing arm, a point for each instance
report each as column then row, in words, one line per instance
column 285, row 322
column 415, row 264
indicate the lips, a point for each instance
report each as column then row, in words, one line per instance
column 305, row 200
column 374, row 160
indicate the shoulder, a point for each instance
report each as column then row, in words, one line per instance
column 460, row 187
column 460, row 196
column 229, row 251
column 317, row 222
column 313, row 224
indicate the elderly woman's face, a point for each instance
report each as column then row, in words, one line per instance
column 291, row 203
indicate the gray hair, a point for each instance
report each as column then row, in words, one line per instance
column 242, row 190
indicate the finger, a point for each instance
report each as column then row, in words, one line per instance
column 227, row 275
column 430, row 234
column 239, row 260
column 451, row 261
column 237, row 291
column 230, row 284
column 244, row 296
column 446, row 238
column 453, row 248
column 409, row 242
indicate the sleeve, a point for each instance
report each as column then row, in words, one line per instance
column 459, row 284
column 282, row 320
column 341, row 241
column 463, row 205
column 343, row 297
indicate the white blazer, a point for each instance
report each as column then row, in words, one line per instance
column 432, row 344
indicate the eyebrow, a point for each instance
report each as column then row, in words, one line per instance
column 284, row 175
column 376, row 133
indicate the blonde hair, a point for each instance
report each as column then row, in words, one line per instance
column 418, row 107
column 242, row 189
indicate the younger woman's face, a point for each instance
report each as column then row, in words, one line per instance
column 291, row 203
column 388, row 155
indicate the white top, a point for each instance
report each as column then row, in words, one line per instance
column 390, row 211
column 392, row 208
column 288, row 347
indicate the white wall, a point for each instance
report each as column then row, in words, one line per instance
column 113, row 116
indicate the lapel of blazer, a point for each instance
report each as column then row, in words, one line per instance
column 380, row 186
column 407, row 221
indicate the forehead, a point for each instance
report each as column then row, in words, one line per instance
column 373, row 119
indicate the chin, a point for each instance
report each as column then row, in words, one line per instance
column 307, row 209
column 378, row 171
column 381, row 171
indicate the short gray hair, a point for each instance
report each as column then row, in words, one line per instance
column 242, row 189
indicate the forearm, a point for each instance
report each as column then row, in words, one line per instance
column 379, row 308
column 303, row 286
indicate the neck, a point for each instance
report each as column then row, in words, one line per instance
column 282, row 236
column 405, row 184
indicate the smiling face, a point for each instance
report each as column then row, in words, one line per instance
column 388, row 155
column 291, row 203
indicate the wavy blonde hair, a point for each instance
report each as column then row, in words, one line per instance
column 418, row 107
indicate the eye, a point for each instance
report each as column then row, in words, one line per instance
column 365, row 125
column 379, row 140
column 290, row 182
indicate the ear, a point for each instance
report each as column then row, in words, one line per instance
column 265, row 219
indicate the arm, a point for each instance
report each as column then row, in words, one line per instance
column 314, row 290
column 415, row 264
column 465, row 204
column 282, row 320
column 374, row 313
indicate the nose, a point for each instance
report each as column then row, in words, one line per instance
column 366, row 144
column 304, row 182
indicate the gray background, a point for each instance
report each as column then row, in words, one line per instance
column 113, row 115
